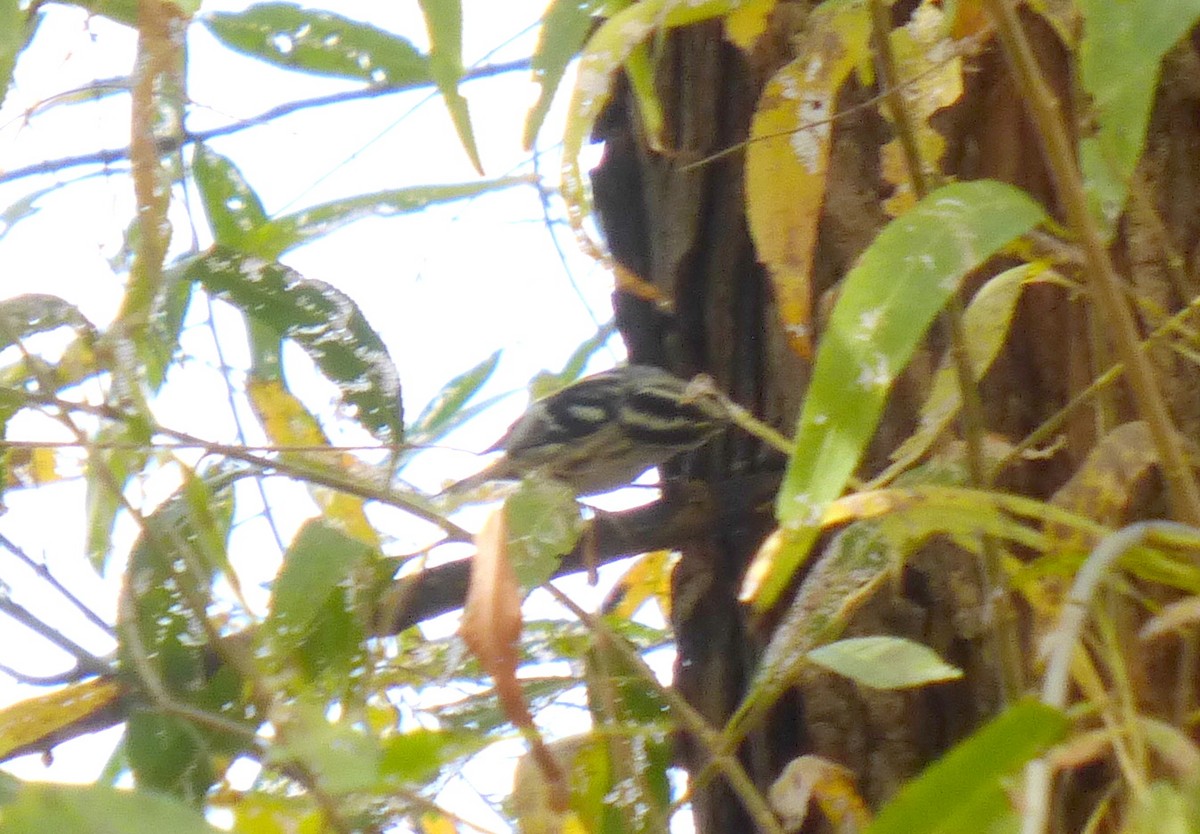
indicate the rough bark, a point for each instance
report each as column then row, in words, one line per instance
column 681, row 227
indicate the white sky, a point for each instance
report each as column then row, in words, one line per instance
column 444, row 288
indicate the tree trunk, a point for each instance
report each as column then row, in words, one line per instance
column 677, row 221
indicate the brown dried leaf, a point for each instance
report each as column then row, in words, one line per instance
column 491, row 621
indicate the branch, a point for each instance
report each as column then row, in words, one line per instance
column 174, row 143
column 663, row 525
column 667, row 524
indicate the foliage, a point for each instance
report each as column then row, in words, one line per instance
column 351, row 723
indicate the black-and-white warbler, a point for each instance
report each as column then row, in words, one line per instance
column 603, row 431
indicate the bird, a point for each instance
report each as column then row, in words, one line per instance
column 604, row 430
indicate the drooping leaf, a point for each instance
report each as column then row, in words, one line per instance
column 320, row 319
column 443, row 20
column 564, row 29
column 788, row 153
column 157, row 99
column 292, row 230
column 962, row 791
column 884, row 662
column 1120, row 58
column 885, row 306
column 123, row 449
column 491, row 621
column 444, row 411
column 322, row 43
column 605, row 53
column 639, row 69
column 290, row 426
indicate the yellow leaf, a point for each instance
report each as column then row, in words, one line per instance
column 432, row 823
column 288, row 423
column 36, row 721
column 747, row 22
column 831, row 785
column 648, row 578
column 285, row 420
column 788, row 154
column 931, row 72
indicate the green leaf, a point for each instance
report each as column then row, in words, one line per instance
column 416, row 757
column 1120, row 58
column 856, row 563
column 292, row 230
column 109, row 470
column 122, row 11
column 17, row 26
column 172, row 565
column 233, row 209
column 343, row 758
column 318, row 560
column 543, row 525
column 323, row 321
column 605, row 53
column 962, row 790
column 884, row 662
column 164, row 327
column 330, row 649
column 444, row 411
column 25, row 315
column 443, row 20
column 564, row 29
column 78, row 809
column 886, row 304
column 321, row 43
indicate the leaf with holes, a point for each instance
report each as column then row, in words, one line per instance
column 321, row 43
column 322, row 320
column 788, row 153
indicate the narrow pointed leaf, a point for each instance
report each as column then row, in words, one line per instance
column 962, row 791
column 323, row 321
column 884, row 662
column 322, row 43
column 443, row 19
column 233, row 208
column 886, row 305
column 1120, row 60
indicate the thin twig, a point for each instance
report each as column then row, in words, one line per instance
column 43, row 573
column 693, row 722
column 188, row 137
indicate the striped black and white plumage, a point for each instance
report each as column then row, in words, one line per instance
column 605, row 430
